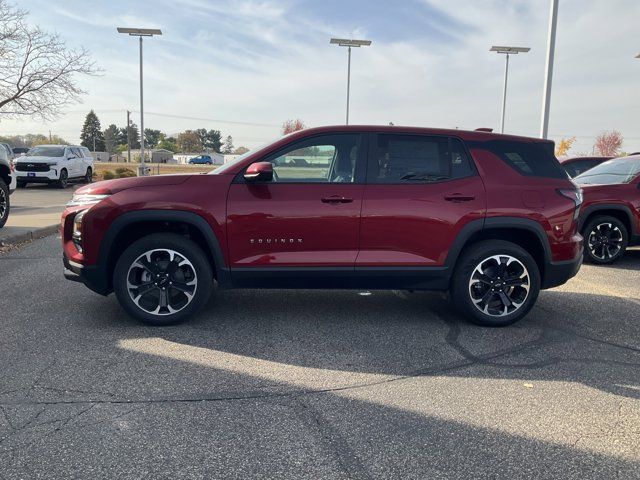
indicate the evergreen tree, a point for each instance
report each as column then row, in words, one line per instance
column 111, row 139
column 91, row 135
column 228, row 145
column 151, row 137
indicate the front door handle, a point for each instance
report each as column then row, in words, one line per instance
column 336, row 199
column 458, row 197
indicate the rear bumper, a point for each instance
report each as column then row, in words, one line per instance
column 91, row 276
column 557, row 273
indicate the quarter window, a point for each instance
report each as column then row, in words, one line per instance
column 326, row 159
column 418, row 158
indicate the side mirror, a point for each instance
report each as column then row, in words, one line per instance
column 259, row 172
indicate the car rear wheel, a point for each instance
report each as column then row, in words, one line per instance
column 5, row 203
column 605, row 239
column 495, row 283
column 163, row 279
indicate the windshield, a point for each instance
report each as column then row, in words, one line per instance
column 618, row 170
column 46, row 152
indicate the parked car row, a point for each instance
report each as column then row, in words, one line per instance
column 52, row 164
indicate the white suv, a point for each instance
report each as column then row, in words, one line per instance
column 7, row 182
column 57, row 164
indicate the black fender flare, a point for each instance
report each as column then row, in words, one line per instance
column 484, row 224
column 190, row 218
column 591, row 209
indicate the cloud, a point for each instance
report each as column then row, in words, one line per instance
column 429, row 64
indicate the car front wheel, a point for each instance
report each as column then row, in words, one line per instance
column 605, row 239
column 495, row 283
column 88, row 177
column 63, row 180
column 163, row 279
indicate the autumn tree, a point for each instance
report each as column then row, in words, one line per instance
column 608, row 144
column 189, row 142
column 168, row 143
column 564, row 145
column 240, row 151
column 38, row 71
column 91, row 134
column 291, row 126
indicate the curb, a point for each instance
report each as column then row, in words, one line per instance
column 34, row 234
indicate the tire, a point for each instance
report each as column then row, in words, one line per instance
column 63, row 180
column 605, row 240
column 20, row 184
column 159, row 274
column 88, row 177
column 5, row 203
column 480, row 283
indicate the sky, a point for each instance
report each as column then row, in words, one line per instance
column 245, row 66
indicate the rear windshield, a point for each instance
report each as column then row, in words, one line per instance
column 46, row 152
column 534, row 159
column 619, row 170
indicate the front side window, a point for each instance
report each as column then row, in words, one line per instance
column 619, row 170
column 325, row 159
column 46, row 152
column 418, row 158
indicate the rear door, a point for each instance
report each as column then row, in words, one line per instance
column 421, row 190
column 307, row 218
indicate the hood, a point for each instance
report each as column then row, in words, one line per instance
column 28, row 159
column 108, row 187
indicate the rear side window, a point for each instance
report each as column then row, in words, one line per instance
column 417, row 158
column 580, row 166
column 534, row 159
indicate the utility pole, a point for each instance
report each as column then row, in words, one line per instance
column 551, row 46
column 50, row 136
column 128, row 138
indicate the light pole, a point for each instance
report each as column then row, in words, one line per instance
column 342, row 42
column 506, row 51
column 548, row 74
column 140, row 32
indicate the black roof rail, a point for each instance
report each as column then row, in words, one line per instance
column 484, row 129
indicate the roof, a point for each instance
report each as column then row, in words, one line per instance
column 466, row 134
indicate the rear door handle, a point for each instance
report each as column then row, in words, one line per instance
column 458, row 197
column 336, row 199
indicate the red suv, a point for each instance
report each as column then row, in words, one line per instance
column 491, row 218
column 610, row 217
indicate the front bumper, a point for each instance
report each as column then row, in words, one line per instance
column 93, row 277
column 557, row 273
column 38, row 177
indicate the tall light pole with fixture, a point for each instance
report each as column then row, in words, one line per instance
column 506, row 51
column 343, row 42
column 548, row 74
column 140, row 32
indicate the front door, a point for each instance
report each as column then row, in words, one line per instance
column 421, row 190
column 304, row 224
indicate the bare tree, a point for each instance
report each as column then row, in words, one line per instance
column 292, row 126
column 608, row 144
column 38, row 71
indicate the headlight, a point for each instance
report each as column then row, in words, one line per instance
column 79, row 200
column 77, row 229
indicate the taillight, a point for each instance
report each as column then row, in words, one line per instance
column 574, row 194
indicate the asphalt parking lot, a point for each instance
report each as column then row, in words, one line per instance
column 317, row 384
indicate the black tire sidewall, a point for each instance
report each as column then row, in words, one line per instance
column 63, row 183
column 88, row 177
column 180, row 244
column 5, row 189
column 586, row 232
column 464, row 269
